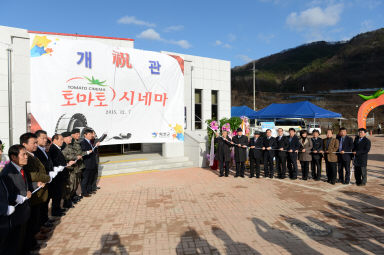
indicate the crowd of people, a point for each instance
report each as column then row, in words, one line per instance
column 283, row 152
column 61, row 171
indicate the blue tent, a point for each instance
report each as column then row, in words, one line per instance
column 239, row 111
column 303, row 109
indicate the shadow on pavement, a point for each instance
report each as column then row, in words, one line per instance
column 231, row 246
column 285, row 239
column 192, row 243
column 358, row 229
column 111, row 245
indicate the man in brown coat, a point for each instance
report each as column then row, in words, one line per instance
column 36, row 173
column 330, row 145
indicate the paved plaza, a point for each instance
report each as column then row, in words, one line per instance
column 193, row 211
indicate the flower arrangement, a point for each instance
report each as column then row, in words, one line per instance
column 214, row 125
column 226, row 127
column 245, row 125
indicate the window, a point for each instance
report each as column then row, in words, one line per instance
column 198, row 108
column 214, row 109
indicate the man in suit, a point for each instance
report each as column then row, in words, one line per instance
column 241, row 142
column 44, row 158
column 344, row 159
column 269, row 143
column 255, row 154
column 293, row 149
column 5, row 211
column 362, row 146
column 90, row 161
column 58, row 183
column 317, row 144
column 223, row 154
column 282, row 144
column 330, row 146
column 36, row 173
column 95, row 143
column 19, row 191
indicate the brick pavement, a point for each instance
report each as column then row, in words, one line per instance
column 193, row 211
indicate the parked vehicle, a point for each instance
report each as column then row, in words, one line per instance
column 313, row 126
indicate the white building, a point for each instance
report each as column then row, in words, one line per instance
column 207, row 92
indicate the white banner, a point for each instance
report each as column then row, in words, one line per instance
column 134, row 96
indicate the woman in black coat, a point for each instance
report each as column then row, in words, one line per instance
column 223, row 154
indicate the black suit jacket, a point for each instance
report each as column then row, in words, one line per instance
column 90, row 160
column 294, row 144
column 223, row 149
column 47, row 162
column 16, row 185
column 317, row 146
column 347, row 146
column 361, row 148
column 256, row 153
column 283, row 143
column 4, row 219
column 271, row 142
column 58, row 159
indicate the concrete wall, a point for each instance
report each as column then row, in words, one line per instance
column 207, row 74
column 16, row 40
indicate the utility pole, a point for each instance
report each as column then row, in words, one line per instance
column 254, row 86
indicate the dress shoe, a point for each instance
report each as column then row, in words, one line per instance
column 250, row 176
column 221, row 175
column 98, row 187
column 242, row 176
column 86, row 195
column 48, row 224
column 41, row 236
column 226, row 175
column 257, row 176
column 345, row 183
column 58, row 214
column 236, row 176
column 333, row 182
column 45, row 230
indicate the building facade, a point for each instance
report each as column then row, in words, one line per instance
column 206, row 92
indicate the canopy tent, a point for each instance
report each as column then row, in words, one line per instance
column 239, row 111
column 302, row 109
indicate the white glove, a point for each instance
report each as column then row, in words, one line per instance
column 58, row 169
column 52, row 174
column 11, row 209
column 20, row 199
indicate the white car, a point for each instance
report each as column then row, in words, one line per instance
column 312, row 127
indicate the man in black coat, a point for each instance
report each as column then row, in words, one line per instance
column 293, row 149
column 5, row 211
column 57, row 184
column 282, row 144
column 90, row 161
column 46, row 160
column 223, row 154
column 240, row 141
column 269, row 144
column 19, row 191
column 255, row 154
column 317, row 143
column 344, row 159
column 362, row 146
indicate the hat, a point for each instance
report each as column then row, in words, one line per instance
column 239, row 130
column 256, row 133
column 66, row 134
column 75, row 131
